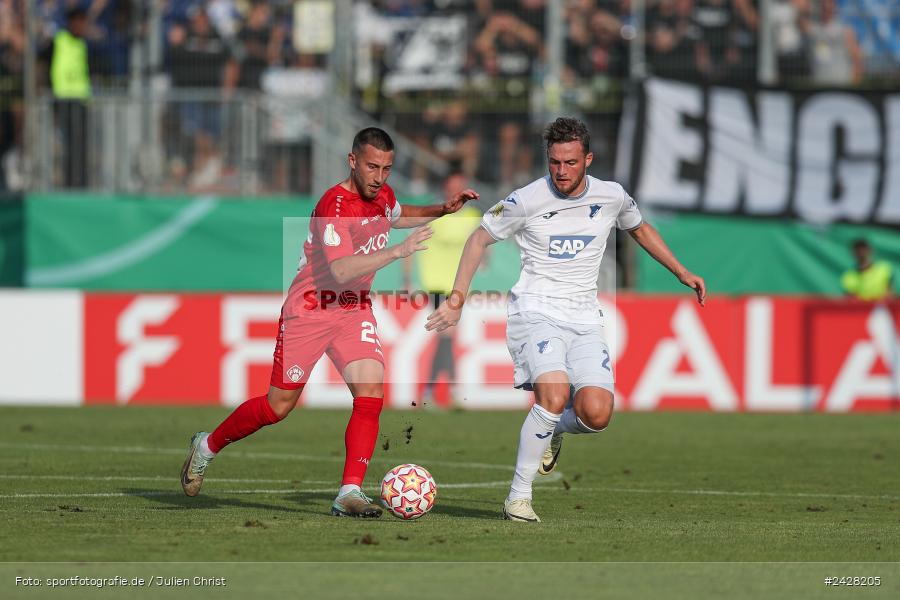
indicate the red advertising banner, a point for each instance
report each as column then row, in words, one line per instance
column 737, row 354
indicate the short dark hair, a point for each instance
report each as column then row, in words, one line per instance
column 567, row 129
column 75, row 13
column 375, row 137
column 860, row 244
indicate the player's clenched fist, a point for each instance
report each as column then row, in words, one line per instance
column 415, row 241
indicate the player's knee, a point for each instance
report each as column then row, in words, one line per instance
column 597, row 415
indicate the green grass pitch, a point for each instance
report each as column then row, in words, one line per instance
column 713, row 490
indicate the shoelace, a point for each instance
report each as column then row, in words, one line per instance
column 200, row 467
column 360, row 494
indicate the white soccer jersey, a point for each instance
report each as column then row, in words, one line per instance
column 561, row 242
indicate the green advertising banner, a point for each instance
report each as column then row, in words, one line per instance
column 12, row 240
column 743, row 255
column 140, row 243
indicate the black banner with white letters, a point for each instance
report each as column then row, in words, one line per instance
column 817, row 156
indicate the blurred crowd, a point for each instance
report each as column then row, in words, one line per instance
column 486, row 55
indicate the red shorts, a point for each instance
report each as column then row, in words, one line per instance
column 302, row 340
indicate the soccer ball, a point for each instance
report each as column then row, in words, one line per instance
column 408, row 491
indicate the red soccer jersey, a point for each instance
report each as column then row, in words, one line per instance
column 342, row 224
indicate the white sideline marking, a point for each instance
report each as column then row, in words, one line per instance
column 484, row 484
column 253, row 455
column 157, row 478
column 735, row 493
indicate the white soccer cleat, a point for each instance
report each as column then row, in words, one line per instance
column 194, row 466
column 520, row 510
column 551, row 455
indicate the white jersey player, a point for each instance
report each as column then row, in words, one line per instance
column 555, row 332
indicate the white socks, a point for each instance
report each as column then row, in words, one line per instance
column 346, row 489
column 205, row 452
column 570, row 423
column 533, row 441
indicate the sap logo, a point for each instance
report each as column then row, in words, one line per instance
column 567, row 246
column 377, row 242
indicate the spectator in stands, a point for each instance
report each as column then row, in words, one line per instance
column 454, row 137
column 12, row 46
column 743, row 38
column 871, row 280
column 790, row 23
column 607, row 52
column 836, row 57
column 71, row 82
column 672, row 38
column 259, row 45
column 507, row 50
column 199, row 62
column 716, row 53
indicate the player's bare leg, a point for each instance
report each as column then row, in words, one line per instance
column 551, row 392
column 249, row 417
column 365, row 378
column 589, row 411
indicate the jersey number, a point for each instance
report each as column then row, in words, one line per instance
column 368, row 333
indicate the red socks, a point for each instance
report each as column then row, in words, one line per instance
column 360, row 438
column 251, row 416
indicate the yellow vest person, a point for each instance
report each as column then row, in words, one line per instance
column 871, row 280
column 69, row 73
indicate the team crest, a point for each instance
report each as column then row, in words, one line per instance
column 511, row 200
column 387, row 211
column 595, row 212
column 331, row 237
column 497, row 210
column 295, row 374
column 545, row 347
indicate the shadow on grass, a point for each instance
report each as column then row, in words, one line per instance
column 178, row 501
column 452, row 510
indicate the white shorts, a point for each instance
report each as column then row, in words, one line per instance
column 539, row 344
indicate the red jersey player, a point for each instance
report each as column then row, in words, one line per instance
column 328, row 311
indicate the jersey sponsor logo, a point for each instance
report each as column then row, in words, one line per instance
column 295, row 374
column 545, row 347
column 331, row 237
column 550, row 214
column 376, row 242
column 568, row 246
column 595, row 212
column 497, row 210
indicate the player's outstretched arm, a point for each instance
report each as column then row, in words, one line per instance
column 648, row 237
column 348, row 268
column 450, row 310
column 413, row 216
